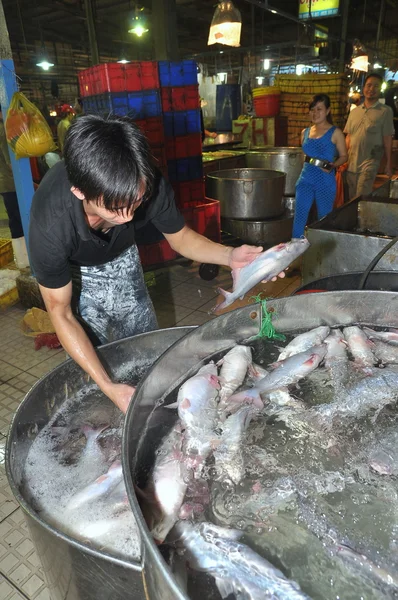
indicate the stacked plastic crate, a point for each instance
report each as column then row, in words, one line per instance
column 163, row 99
column 183, row 143
column 127, row 90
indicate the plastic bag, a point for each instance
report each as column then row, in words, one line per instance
column 27, row 131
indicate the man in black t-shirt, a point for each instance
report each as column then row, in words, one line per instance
column 82, row 245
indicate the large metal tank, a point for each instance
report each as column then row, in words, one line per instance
column 145, row 425
column 74, row 570
column 288, row 159
column 247, row 193
column 349, row 238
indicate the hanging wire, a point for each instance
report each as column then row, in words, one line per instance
column 22, row 28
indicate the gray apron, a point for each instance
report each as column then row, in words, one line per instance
column 111, row 301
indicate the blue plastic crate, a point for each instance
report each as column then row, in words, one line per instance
column 183, row 122
column 171, row 73
column 90, row 105
column 185, row 169
column 144, row 105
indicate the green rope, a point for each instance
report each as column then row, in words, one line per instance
column 267, row 330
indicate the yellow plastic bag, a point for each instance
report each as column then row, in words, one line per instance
column 27, row 131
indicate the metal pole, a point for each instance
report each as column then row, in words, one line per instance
column 8, row 85
column 343, row 41
column 92, row 38
column 381, row 17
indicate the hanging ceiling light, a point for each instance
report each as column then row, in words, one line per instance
column 360, row 58
column 138, row 26
column 226, row 25
column 44, row 64
column 123, row 61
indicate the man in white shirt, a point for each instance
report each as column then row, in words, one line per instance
column 370, row 131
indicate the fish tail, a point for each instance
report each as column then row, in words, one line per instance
column 226, row 302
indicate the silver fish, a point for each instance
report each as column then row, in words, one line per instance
column 264, row 267
column 360, row 347
column 233, row 371
column 391, row 337
column 367, row 566
column 287, row 372
column 198, row 410
column 98, row 489
column 387, row 353
column 228, row 455
column 304, row 341
column 167, row 485
column 237, row 569
column 336, row 359
column 373, row 392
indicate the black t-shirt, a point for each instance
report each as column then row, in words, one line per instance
column 59, row 234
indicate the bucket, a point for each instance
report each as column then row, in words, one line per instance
column 267, row 106
column 379, row 280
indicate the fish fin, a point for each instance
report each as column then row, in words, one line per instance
column 226, row 302
column 225, row 587
column 172, row 405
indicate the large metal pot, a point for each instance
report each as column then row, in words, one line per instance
column 288, row 159
column 265, row 233
column 147, row 420
column 247, row 193
column 74, row 570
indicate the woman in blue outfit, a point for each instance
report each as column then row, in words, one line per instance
column 326, row 143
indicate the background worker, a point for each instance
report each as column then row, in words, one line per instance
column 82, row 241
column 67, row 116
column 370, row 131
column 322, row 141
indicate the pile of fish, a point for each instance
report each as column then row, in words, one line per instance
column 73, row 474
column 204, row 456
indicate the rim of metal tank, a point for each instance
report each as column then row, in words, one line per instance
column 288, row 213
column 218, row 174
column 144, row 531
column 135, row 565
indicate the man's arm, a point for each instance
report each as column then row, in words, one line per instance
column 76, row 343
column 387, row 143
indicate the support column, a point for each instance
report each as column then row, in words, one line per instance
column 343, row 37
column 164, row 24
column 8, row 85
column 92, row 37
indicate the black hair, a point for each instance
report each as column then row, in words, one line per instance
column 376, row 75
column 326, row 101
column 109, row 161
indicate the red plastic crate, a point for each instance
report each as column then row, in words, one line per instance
column 142, row 75
column 156, row 254
column 188, row 193
column 86, row 83
column 204, row 218
column 180, row 98
column 153, row 129
column 183, row 146
column 160, row 158
column 116, row 77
